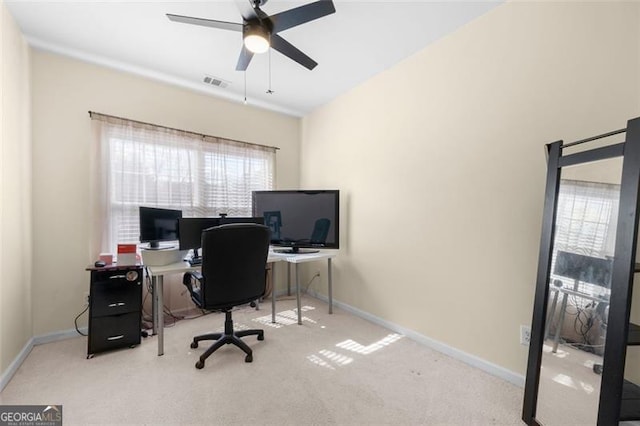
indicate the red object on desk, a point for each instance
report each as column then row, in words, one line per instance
column 127, row 254
column 126, row 248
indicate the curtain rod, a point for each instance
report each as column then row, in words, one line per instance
column 593, row 138
column 92, row 113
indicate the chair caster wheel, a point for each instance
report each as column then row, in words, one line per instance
column 248, row 358
column 194, row 345
column 199, row 365
column 260, row 336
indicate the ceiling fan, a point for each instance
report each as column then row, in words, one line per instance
column 260, row 31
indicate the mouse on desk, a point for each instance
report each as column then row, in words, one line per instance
column 99, row 264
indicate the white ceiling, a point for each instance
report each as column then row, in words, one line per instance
column 360, row 40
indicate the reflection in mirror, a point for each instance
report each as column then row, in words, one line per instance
column 579, row 288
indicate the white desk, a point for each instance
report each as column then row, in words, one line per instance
column 297, row 259
column 157, row 287
column 566, row 292
column 157, row 274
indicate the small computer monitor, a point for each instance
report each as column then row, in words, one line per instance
column 588, row 269
column 227, row 220
column 158, row 225
column 191, row 228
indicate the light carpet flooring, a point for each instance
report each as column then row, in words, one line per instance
column 568, row 376
column 333, row 369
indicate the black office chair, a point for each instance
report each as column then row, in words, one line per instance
column 320, row 231
column 234, row 259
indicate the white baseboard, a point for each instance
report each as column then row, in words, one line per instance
column 472, row 360
column 8, row 374
column 58, row 335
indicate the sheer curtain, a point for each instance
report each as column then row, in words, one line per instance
column 138, row 164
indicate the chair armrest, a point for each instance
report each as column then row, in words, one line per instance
column 195, row 274
column 193, row 281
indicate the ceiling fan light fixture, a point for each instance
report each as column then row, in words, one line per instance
column 256, row 39
column 260, row 31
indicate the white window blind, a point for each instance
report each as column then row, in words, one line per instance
column 586, row 223
column 146, row 165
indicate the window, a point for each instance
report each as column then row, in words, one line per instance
column 585, row 214
column 586, row 223
column 146, row 165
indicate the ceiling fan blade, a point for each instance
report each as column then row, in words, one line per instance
column 205, row 22
column 289, row 50
column 244, row 59
column 300, row 15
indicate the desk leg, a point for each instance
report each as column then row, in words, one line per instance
column 160, row 313
column 563, row 309
column 298, row 294
column 154, row 305
column 273, row 293
column 288, row 279
column 551, row 314
column 329, row 282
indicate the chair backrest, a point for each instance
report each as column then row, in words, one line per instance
column 234, row 258
column 320, row 231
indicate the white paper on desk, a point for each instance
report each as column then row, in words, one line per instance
column 127, row 259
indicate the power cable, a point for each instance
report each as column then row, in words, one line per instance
column 75, row 321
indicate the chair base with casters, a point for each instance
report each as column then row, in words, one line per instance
column 234, row 260
column 226, row 338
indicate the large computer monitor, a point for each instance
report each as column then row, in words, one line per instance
column 300, row 219
column 158, row 225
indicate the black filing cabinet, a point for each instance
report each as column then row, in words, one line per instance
column 115, row 302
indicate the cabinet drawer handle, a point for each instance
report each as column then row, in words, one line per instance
column 114, row 305
column 117, row 277
column 115, row 337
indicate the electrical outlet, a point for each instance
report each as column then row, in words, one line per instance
column 525, row 335
column 86, row 296
column 317, row 274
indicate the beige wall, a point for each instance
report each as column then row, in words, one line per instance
column 441, row 166
column 63, row 91
column 15, row 192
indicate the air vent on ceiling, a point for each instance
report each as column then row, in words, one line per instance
column 215, row 81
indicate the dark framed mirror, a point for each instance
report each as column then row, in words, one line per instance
column 580, row 326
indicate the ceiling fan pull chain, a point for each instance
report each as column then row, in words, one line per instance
column 245, row 87
column 270, row 92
